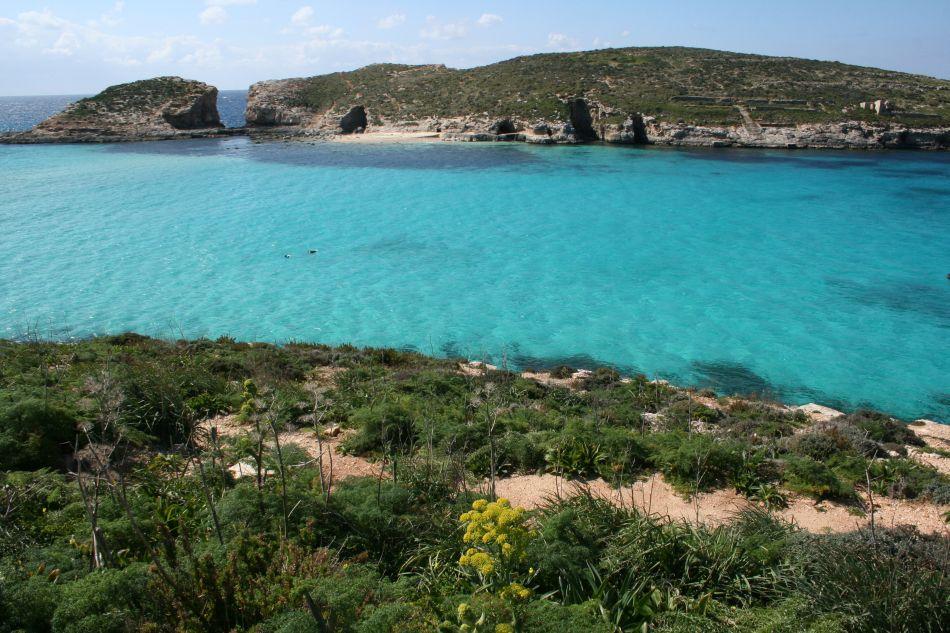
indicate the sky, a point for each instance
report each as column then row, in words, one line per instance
column 83, row 46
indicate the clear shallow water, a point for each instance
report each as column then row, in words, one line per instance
column 812, row 276
column 22, row 113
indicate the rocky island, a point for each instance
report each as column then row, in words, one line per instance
column 664, row 96
column 159, row 108
column 638, row 96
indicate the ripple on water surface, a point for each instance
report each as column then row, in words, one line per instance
column 804, row 275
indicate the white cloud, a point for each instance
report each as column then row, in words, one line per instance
column 625, row 34
column 184, row 49
column 229, row 3
column 489, row 19
column 436, row 30
column 46, row 33
column 213, row 15
column 561, row 42
column 113, row 17
column 325, row 30
column 7, row 22
column 302, row 16
column 67, row 44
column 391, row 21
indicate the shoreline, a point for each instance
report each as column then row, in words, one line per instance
column 814, row 411
column 784, row 138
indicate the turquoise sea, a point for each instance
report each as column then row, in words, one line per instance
column 809, row 276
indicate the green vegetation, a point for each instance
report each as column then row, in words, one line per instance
column 118, row 511
column 144, row 95
column 674, row 84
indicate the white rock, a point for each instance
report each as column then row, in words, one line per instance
column 819, row 413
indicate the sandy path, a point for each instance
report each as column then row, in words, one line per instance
column 655, row 496
column 652, row 495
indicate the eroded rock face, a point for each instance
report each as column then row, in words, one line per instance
column 270, row 104
column 354, row 121
column 632, row 131
column 503, row 126
column 163, row 107
column 194, row 114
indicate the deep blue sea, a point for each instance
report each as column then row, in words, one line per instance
column 809, row 276
column 22, row 113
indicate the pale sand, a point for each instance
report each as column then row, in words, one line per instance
column 655, row 496
column 652, row 495
column 389, row 137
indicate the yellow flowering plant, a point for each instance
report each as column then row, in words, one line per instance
column 498, row 536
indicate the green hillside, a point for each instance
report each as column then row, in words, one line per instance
column 688, row 84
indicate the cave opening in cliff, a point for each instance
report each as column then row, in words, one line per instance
column 580, row 119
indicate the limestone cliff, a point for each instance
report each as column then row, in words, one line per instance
column 672, row 96
column 164, row 107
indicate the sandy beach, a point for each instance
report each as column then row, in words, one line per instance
column 389, row 137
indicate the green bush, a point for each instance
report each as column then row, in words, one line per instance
column 601, row 378
column 680, row 413
column 344, row 598
column 514, row 453
column 816, row 479
column 562, row 372
column 543, row 616
column 696, row 461
column 106, row 601
column 818, row 445
column 388, row 427
column 27, row 604
column 882, row 428
column 575, row 457
column 892, row 580
column 35, row 434
column 291, row 622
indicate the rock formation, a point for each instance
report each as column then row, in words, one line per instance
column 665, row 95
column 164, row 107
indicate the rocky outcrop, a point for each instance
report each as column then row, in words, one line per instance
column 160, row 108
column 276, row 108
column 272, row 104
column 631, row 132
column 848, row 135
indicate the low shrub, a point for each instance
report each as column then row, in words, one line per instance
column 601, row 378
column 106, row 601
column 883, row 428
column 819, row 446
column 815, row 479
column 562, row 372
column 696, row 461
column 35, row 434
column 890, row 580
column 388, row 427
